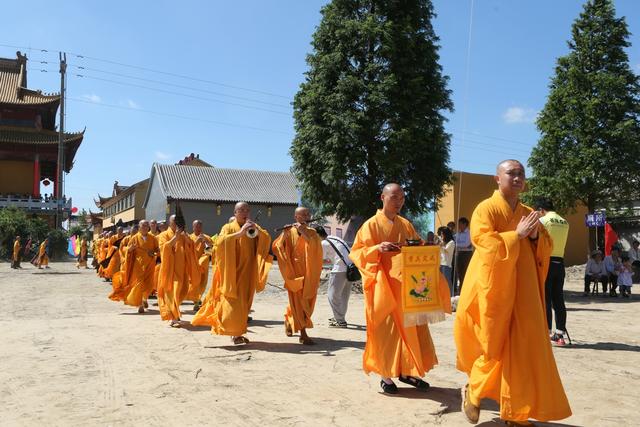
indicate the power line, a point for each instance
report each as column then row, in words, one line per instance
column 487, row 144
column 158, row 113
column 198, row 89
column 170, row 92
column 137, row 67
column 492, row 137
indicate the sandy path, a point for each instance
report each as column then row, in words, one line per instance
column 72, row 357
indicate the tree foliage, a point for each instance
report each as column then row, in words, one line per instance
column 14, row 222
column 371, row 108
column 589, row 150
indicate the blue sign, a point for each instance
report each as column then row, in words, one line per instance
column 596, row 219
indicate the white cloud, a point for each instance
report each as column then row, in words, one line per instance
column 519, row 115
column 162, row 156
column 132, row 104
column 92, row 98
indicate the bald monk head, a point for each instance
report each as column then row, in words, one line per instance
column 144, row 227
column 302, row 215
column 134, row 229
column 242, row 211
column 153, row 225
column 197, row 227
column 175, row 225
column 392, row 200
column 120, row 231
column 510, row 177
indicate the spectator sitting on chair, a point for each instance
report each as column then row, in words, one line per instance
column 625, row 276
column 595, row 272
column 612, row 263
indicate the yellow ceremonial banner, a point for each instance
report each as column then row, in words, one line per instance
column 420, row 276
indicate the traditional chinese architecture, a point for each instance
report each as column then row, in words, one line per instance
column 29, row 142
column 124, row 207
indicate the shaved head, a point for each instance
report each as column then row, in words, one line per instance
column 301, row 214
column 241, row 211
column 392, row 199
column 144, row 227
column 505, row 163
column 197, row 226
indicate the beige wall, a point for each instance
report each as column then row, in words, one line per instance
column 16, row 177
column 469, row 189
column 126, row 216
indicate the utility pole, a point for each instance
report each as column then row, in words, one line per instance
column 60, row 168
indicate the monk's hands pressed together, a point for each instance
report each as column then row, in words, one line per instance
column 389, row 247
column 528, row 225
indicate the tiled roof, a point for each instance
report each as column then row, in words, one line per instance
column 183, row 182
column 13, row 82
column 16, row 135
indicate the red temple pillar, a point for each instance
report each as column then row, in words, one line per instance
column 36, row 176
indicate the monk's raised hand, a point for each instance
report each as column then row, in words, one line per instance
column 388, row 247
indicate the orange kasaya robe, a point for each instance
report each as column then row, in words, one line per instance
column 242, row 265
column 177, row 269
column 137, row 277
column 113, row 254
column 43, row 259
column 391, row 349
column 16, row 251
column 82, row 256
column 500, row 328
column 300, row 263
column 197, row 289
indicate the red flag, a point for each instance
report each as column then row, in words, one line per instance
column 610, row 238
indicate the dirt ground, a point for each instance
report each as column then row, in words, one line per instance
column 72, row 357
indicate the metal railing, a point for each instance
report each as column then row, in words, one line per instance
column 35, row 204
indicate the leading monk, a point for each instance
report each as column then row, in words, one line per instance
column 299, row 253
column 392, row 350
column 500, row 328
column 242, row 264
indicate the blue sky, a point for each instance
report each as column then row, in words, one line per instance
column 246, row 60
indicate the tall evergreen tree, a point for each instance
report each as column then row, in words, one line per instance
column 371, row 108
column 589, row 150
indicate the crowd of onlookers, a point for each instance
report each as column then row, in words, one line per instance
column 31, row 197
column 612, row 272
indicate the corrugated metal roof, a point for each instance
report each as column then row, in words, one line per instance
column 13, row 77
column 227, row 185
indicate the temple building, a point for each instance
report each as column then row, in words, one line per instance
column 29, row 143
column 124, row 207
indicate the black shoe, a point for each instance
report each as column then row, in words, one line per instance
column 388, row 388
column 416, row 382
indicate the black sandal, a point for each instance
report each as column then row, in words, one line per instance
column 388, row 388
column 416, row 382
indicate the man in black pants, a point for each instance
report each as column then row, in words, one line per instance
column 464, row 250
column 558, row 229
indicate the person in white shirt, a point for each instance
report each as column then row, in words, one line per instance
column 447, row 249
column 595, row 272
column 634, row 252
column 336, row 251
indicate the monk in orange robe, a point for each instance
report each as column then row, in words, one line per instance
column 299, row 253
column 177, row 269
column 242, row 264
column 82, row 254
column 500, row 328
column 201, row 242
column 15, row 257
column 119, row 278
column 140, row 260
column 392, row 349
column 113, row 254
column 43, row 258
column 153, row 224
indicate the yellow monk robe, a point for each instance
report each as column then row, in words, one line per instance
column 113, row 254
column 15, row 257
column 43, row 259
column 391, row 350
column 82, row 255
column 242, row 265
column 119, row 278
column 197, row 289
column 139, row 272
column 104, row 248
column 500, row 327
column 300, row 263
column 177, row 269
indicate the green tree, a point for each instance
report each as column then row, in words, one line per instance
column 589, row 150
column 371, row 108
column 14, row 222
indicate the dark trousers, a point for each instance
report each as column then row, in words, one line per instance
column 589, row 279
column 16, row 263
column 613, row 283
column 461, row 264
column 554, row 294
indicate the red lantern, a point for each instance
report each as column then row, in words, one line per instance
column 46, row 182
column 74, row 210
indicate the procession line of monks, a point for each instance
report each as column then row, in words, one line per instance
column 40, row 260
column 500, row 329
